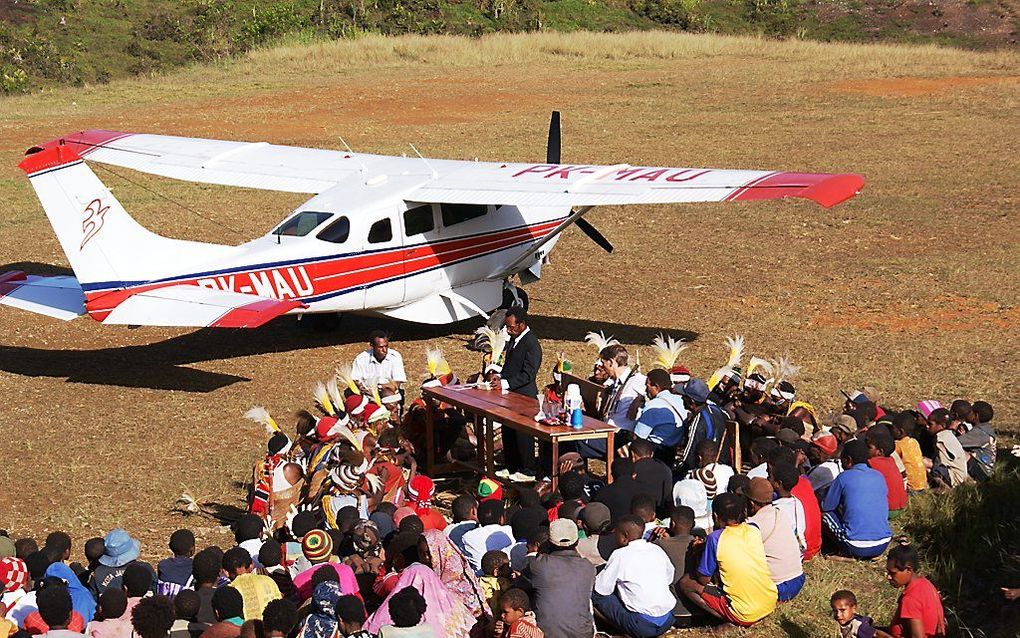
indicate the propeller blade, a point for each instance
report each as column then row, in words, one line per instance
column 552, row 150
column 593, row 234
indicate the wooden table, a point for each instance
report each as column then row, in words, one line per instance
column 511, row 410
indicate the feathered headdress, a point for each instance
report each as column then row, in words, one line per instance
column 757, row 364
column 784, row 370
column 323, row 400
column 496, row 341
column 666, row 350
column 345, row 377
column 333, row 389
column 735, row 345
column 373, row 388
column 436, row 363
column 599, row 340
column 260, row 415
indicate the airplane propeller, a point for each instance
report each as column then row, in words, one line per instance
column 552, row 156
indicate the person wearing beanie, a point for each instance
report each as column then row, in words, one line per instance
column 855, row 511
column 318, row 550
column 420, row 492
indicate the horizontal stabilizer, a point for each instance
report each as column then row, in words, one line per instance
column 198, row 307
column 58, row 297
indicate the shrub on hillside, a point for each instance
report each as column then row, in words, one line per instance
column 676, row 13
column 773, row 17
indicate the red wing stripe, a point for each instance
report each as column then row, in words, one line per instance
column 255, row 314
column 824, row 188
column 48, row 158
column 84, row 142
column 11, row 281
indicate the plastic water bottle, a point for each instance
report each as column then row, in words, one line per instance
column 576, row 419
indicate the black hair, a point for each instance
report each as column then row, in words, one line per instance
column 525, row 521
column 54, row 605
column 303, row 523
column 137, row 580
column 660, row 379
column 305, row 422
column 94, row 548
column 411, row 524
column 792, row 423
column 571, row 510
column 708, row 447
column 248, row 527
column 572, row 485
column 642, row 447
column 492, row 560
column 844, row 594
column 856, row 451
column 490, row 513
column 377, row 334
column 337, row 538
column 280, row 615
column 739, row 484
column 983, row 411
column 462, row 506
column 905, row 421
column 630, row 521
column 152, row 617
column 351, row 609
column 205, row 567
column 622, row 468
column 781, row 455
column 386, row 507
column 786, row 475
column 407, row 607
column 235, row 558
column 271, row 553
column 112, row 603
column 730, row 508
column 960, row 408
column 515, row 598
column 25, row 546
column 528, row 497
column 903, row 557
column 228, row 603
column 53, row 554
column 346, row 518
column 186, row 604
column 59, row 541
column 682, row 513
column 940, row 416
column 642, row 504
column 37, row 564
column 182, row 541
column 882, row 441
column 403, row 544
column 762, row 446
column 324, row 574
column 518, row 313
column 539, row 537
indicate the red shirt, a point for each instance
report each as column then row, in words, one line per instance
column 35, row 625
column 919, row 600
column 432, row 519
column 812, row 516
column 897, row 493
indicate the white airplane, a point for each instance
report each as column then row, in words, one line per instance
column 429, row 241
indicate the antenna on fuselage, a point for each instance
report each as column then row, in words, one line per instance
column 354, row 156
column 422, row 158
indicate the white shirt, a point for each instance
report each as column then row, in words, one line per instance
column 794, row 511
column 484, row 539
column 633, row 386
column 22, row 609
column 760, row 471
column 252, row 546
column 455, row 532
column 391, row 368
column 640, row 573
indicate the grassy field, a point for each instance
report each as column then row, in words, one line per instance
column 911, row 287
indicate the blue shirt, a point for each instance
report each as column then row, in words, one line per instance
column 661, row 422
column 859, row 497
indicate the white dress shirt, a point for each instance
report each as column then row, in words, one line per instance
column 484, row 539
column 631, row 386
column 640, row 573
column 391, row 368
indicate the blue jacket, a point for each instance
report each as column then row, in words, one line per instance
column 661, row 421
column 859, row 497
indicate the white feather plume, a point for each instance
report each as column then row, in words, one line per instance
column 757, row 363
column 260, row 415
column 736, row 350
column 345, row 377
column 667, row 350
column 333, row 388
column 599, row 340
column 322, row 398
column 496, row 340
column 436, row 362
column 784, row 369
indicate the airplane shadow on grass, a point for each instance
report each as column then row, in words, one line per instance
column 165, row 365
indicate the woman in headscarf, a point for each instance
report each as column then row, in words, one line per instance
column 437, row 551
column 321, row 621
column 81, row 600
column 420, row 492
column 444, row 612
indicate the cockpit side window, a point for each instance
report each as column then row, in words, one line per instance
column 337, row 232
column 301, row 224
column 419, row 220
column 381, row 231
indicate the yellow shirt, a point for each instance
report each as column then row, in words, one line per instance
column 910, row 452
column 737, row 554
column 492, row 587
column 257, row 591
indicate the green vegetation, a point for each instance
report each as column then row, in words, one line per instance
column 47, row 42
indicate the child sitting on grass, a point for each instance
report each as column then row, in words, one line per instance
column 902, row 430
column 496, row 577
column 919, row 612
column 518, row 619
column 844, row 612
column 880, row 449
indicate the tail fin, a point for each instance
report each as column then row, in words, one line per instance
column 102, row 242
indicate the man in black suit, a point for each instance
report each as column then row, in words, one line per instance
column 522, row 359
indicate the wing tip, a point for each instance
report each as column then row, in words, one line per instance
column 48, row 158
column 825, row 189
column 82, row 142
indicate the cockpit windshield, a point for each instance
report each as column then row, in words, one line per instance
column 301, row 224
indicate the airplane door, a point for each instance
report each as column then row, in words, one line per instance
column 423, row 265
column 383, row 260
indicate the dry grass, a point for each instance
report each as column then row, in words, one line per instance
column 911, row 287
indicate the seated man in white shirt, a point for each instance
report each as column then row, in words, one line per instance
column 621, row 411
column 632, row 592
column 379, row 362
column 491, row 533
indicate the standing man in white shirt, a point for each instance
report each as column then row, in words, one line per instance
column 632, row 592
column 627, row 385
column 379, row 362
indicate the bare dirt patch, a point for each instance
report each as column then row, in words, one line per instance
column 918, row 87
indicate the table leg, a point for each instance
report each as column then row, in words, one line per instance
column 479, row 430
column 610, row 453
column 430, row 438
column 555, row 464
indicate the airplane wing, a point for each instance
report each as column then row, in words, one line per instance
column 197, row 307
column 58, row 297
column 587, row 185
column 310, row 170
